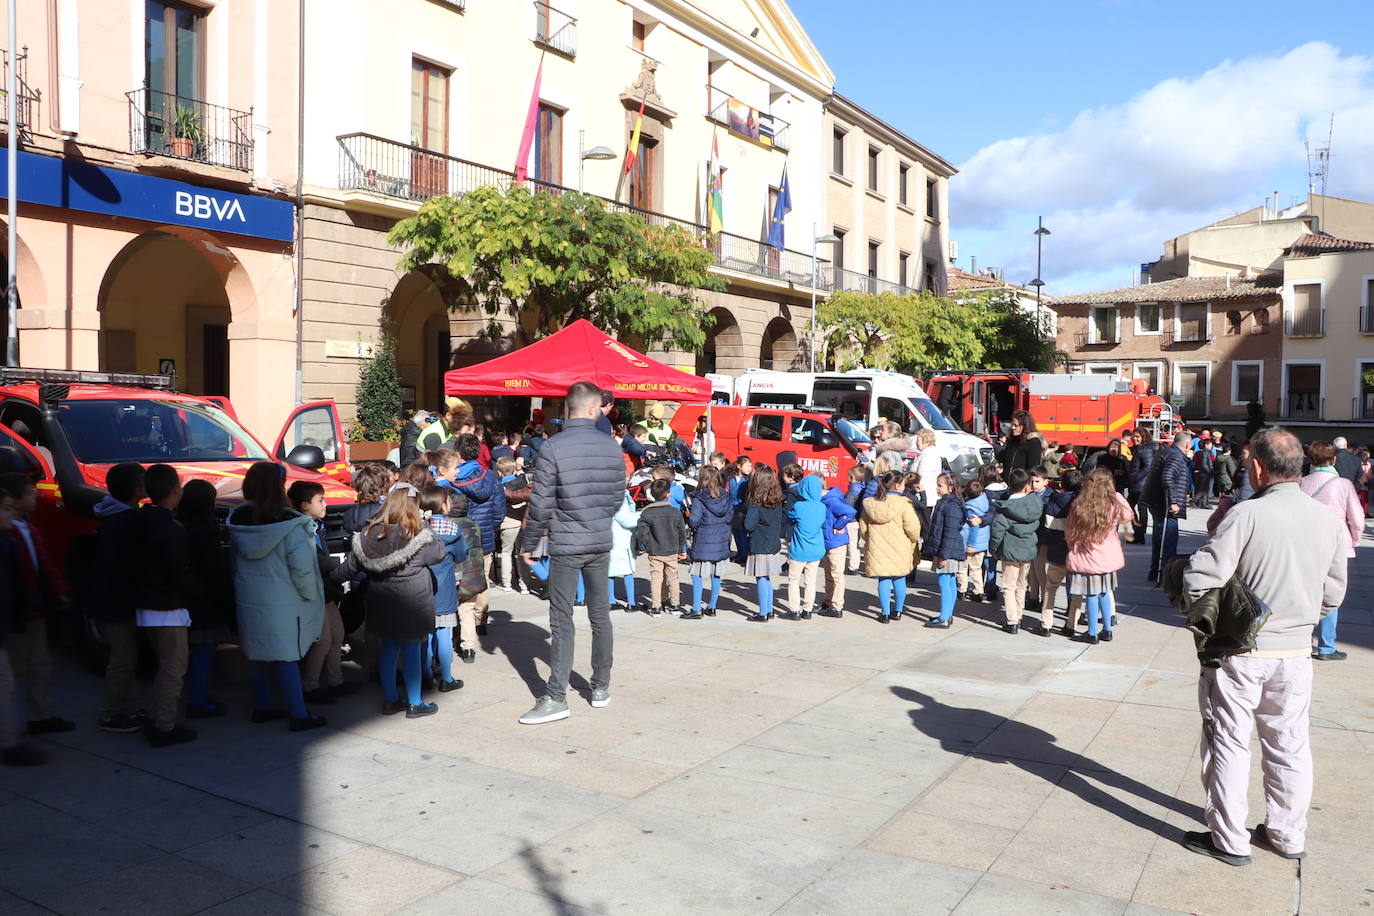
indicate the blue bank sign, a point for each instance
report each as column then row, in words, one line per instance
column 56, row 182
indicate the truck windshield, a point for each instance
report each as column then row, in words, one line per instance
column 931, row 414
column 110, row 431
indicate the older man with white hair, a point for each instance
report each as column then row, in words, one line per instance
column 1347, row 462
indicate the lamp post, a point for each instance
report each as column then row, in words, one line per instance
column 583, row 154
column 1038, row 283
column 816, row 240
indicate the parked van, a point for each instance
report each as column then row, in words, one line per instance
column 820, row 441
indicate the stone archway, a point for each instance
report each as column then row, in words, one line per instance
column 418, row 313
column 724, row 350
column 32, row 289
column 779, row 349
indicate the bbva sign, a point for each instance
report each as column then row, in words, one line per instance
column 204, row 206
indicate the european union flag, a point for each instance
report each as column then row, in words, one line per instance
column 781, row 208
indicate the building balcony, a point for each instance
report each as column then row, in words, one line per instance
column 1189, row 335
column 853, row 281
column 1097, row 337
column 25, row 99
column 1367, row 320
column 1193, row 406
column 729, row 112
column 1363, row 407
column 554, row 29
column 745, row 255
column 165, row 124
column 1305, row 324
column 1302, row 407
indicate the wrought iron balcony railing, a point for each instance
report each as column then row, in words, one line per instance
column 1097, row 337
column 25, row 99
column 554, row 29
column 1309, row 323
column 1367, row 320
column 1193, row 407
column 165, row 124
column 1363, row 408
column 1302, row 407
column 853, row 281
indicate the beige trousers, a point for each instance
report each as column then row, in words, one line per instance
column 172, row 655
column 855, row 557
column 1273, row 695
column 1055, row 576
column 121, row 673
column 326, row 653
column 32, row 664
column 801, row 584
column 971, row 576
column 1014, row 576
column 833, row 567
column 663, row 583
column 1039, row 577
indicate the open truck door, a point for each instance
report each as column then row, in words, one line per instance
column 312, row 438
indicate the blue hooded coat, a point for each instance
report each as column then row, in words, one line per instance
column 838, row 515
column 976, row 536
column 946, row 540
column 277, row 587
column 710, row 523
column 486, row 500
column 807, row 518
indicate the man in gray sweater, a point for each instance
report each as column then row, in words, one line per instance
column 1286, row 548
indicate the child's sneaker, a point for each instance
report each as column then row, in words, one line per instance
column 654, row 611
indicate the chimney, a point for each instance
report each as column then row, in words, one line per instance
column 973, row 264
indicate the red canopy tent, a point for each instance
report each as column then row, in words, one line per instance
column 579, row 352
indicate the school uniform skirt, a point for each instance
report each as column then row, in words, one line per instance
column 1091, row 583
column 446, row 620
column 760, row 565
column 708, row 569
column 951, row 567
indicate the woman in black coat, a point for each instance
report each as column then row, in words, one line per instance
column 396, row 550
column 1024, row 446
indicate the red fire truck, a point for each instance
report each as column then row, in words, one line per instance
column 1085, row 411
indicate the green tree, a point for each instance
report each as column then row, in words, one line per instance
column 552, row 258
column 914, row 334
column 378, row 395
column 1014, row 341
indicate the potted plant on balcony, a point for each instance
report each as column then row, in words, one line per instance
column 376, row 428
column 188, row 132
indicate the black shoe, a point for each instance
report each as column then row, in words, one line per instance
column 1032, row 605
column 689, row 615
column 450, row 686
column 309, row 722
column 896, row 616
column 789, row 615
column 21, row 755
column 50, row 726
column 654, row 611
column 759, row 618
column 1041, row 630
column 469, row 656
column 267, row 715
column 422, row 710
column 211, row 710
column 320, row 696
column 178, row 734
column 1088, row 638
column 805, row 615
column 347, row 688
column 1260, row 837
column 1105, row 636
column 1201, row 843
column 481, row 629
column 1336, row 656
column 708, row 611
column 1067, row 630
column 1152, row 577
column 391, row 707
column 885, row 619
column 935, row 623
column 120, row 724
column 1011, row 628
column 830, row 612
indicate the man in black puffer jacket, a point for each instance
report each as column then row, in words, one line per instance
column 1166, row 492
column 579, row 484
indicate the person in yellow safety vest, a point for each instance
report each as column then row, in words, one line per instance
column 660, row 433
column 447, row 426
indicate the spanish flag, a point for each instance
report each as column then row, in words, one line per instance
column 632, row 152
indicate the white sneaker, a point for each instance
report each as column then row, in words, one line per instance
column 601, row 697
column 545, row 710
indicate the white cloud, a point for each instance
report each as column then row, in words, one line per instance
column 1117, row 182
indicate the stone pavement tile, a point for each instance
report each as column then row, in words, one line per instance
column 1140, row 909
column 998, row 895
column 1117, row 812
column 870, row 750
column 366, row 882
column 1177, row 879
column 1335, row 878
column 1083, row 678
column 672, row 748
column 169, row 886
column 45, row 864
column 9, row 902
column 90, row 788
column 1080, row 863
column 944, row 840
column 865, row 881
column 1006, row 804
column 1178, row 655
column 1159, row 687
column 175, row 825
column 611, row 774
column 848, row 778
column 774, row 807
column 1331, row 823
column 268, row 852
column 644, row 858
column 478, row 895
column 261, row 902
column 22, row 819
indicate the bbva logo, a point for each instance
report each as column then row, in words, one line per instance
column 203, row 206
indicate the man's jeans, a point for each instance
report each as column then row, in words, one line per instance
column 1165, row 543
column 1326, row 633
column 563, row 575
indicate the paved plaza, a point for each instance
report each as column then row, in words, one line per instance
column 819, row 767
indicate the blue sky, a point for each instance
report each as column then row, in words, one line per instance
column 1125, row 122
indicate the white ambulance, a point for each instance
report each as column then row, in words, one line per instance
column 863, row 396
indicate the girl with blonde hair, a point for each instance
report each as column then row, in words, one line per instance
column 1095, row 549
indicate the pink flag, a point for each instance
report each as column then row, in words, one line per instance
column 522, row 156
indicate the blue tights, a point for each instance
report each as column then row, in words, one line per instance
column 1099, row 612
column 288, row 679
column 888, row 588
column 949, row 591
column 198, row 675
column 765, row 595
column 409, row 653
column 697, row 588
column 629, row 589
column 443, row 651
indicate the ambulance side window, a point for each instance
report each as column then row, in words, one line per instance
column 897, row 412
column 766, row 427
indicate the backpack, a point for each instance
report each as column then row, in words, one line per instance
column 1203, row 460
column 472, row 575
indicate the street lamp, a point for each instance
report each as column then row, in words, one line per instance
column 1038, row 283
column 583, row 154
column 829, row 238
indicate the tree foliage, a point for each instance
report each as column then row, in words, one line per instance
column 378, row 395
column 920, row 333
column 551, row 258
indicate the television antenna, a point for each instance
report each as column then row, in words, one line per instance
column 1319, row 161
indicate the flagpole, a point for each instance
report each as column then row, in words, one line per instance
column 626, row 161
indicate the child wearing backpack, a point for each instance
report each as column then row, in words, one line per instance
column 946, row 544
column 1095, row 550
column 892, row 537
column 662, row 534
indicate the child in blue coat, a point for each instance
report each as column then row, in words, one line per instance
column 807, row 545
column 839, row 515
column 712, row 511
column 946, row 544
column 434, row 501
column 976, row 532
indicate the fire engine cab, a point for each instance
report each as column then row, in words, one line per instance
column 1086, row 411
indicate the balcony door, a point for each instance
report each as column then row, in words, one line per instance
column 174, row 74
column 428, row 129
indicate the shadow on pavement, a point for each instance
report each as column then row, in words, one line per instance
column 1037, row 748
column 550, row 884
